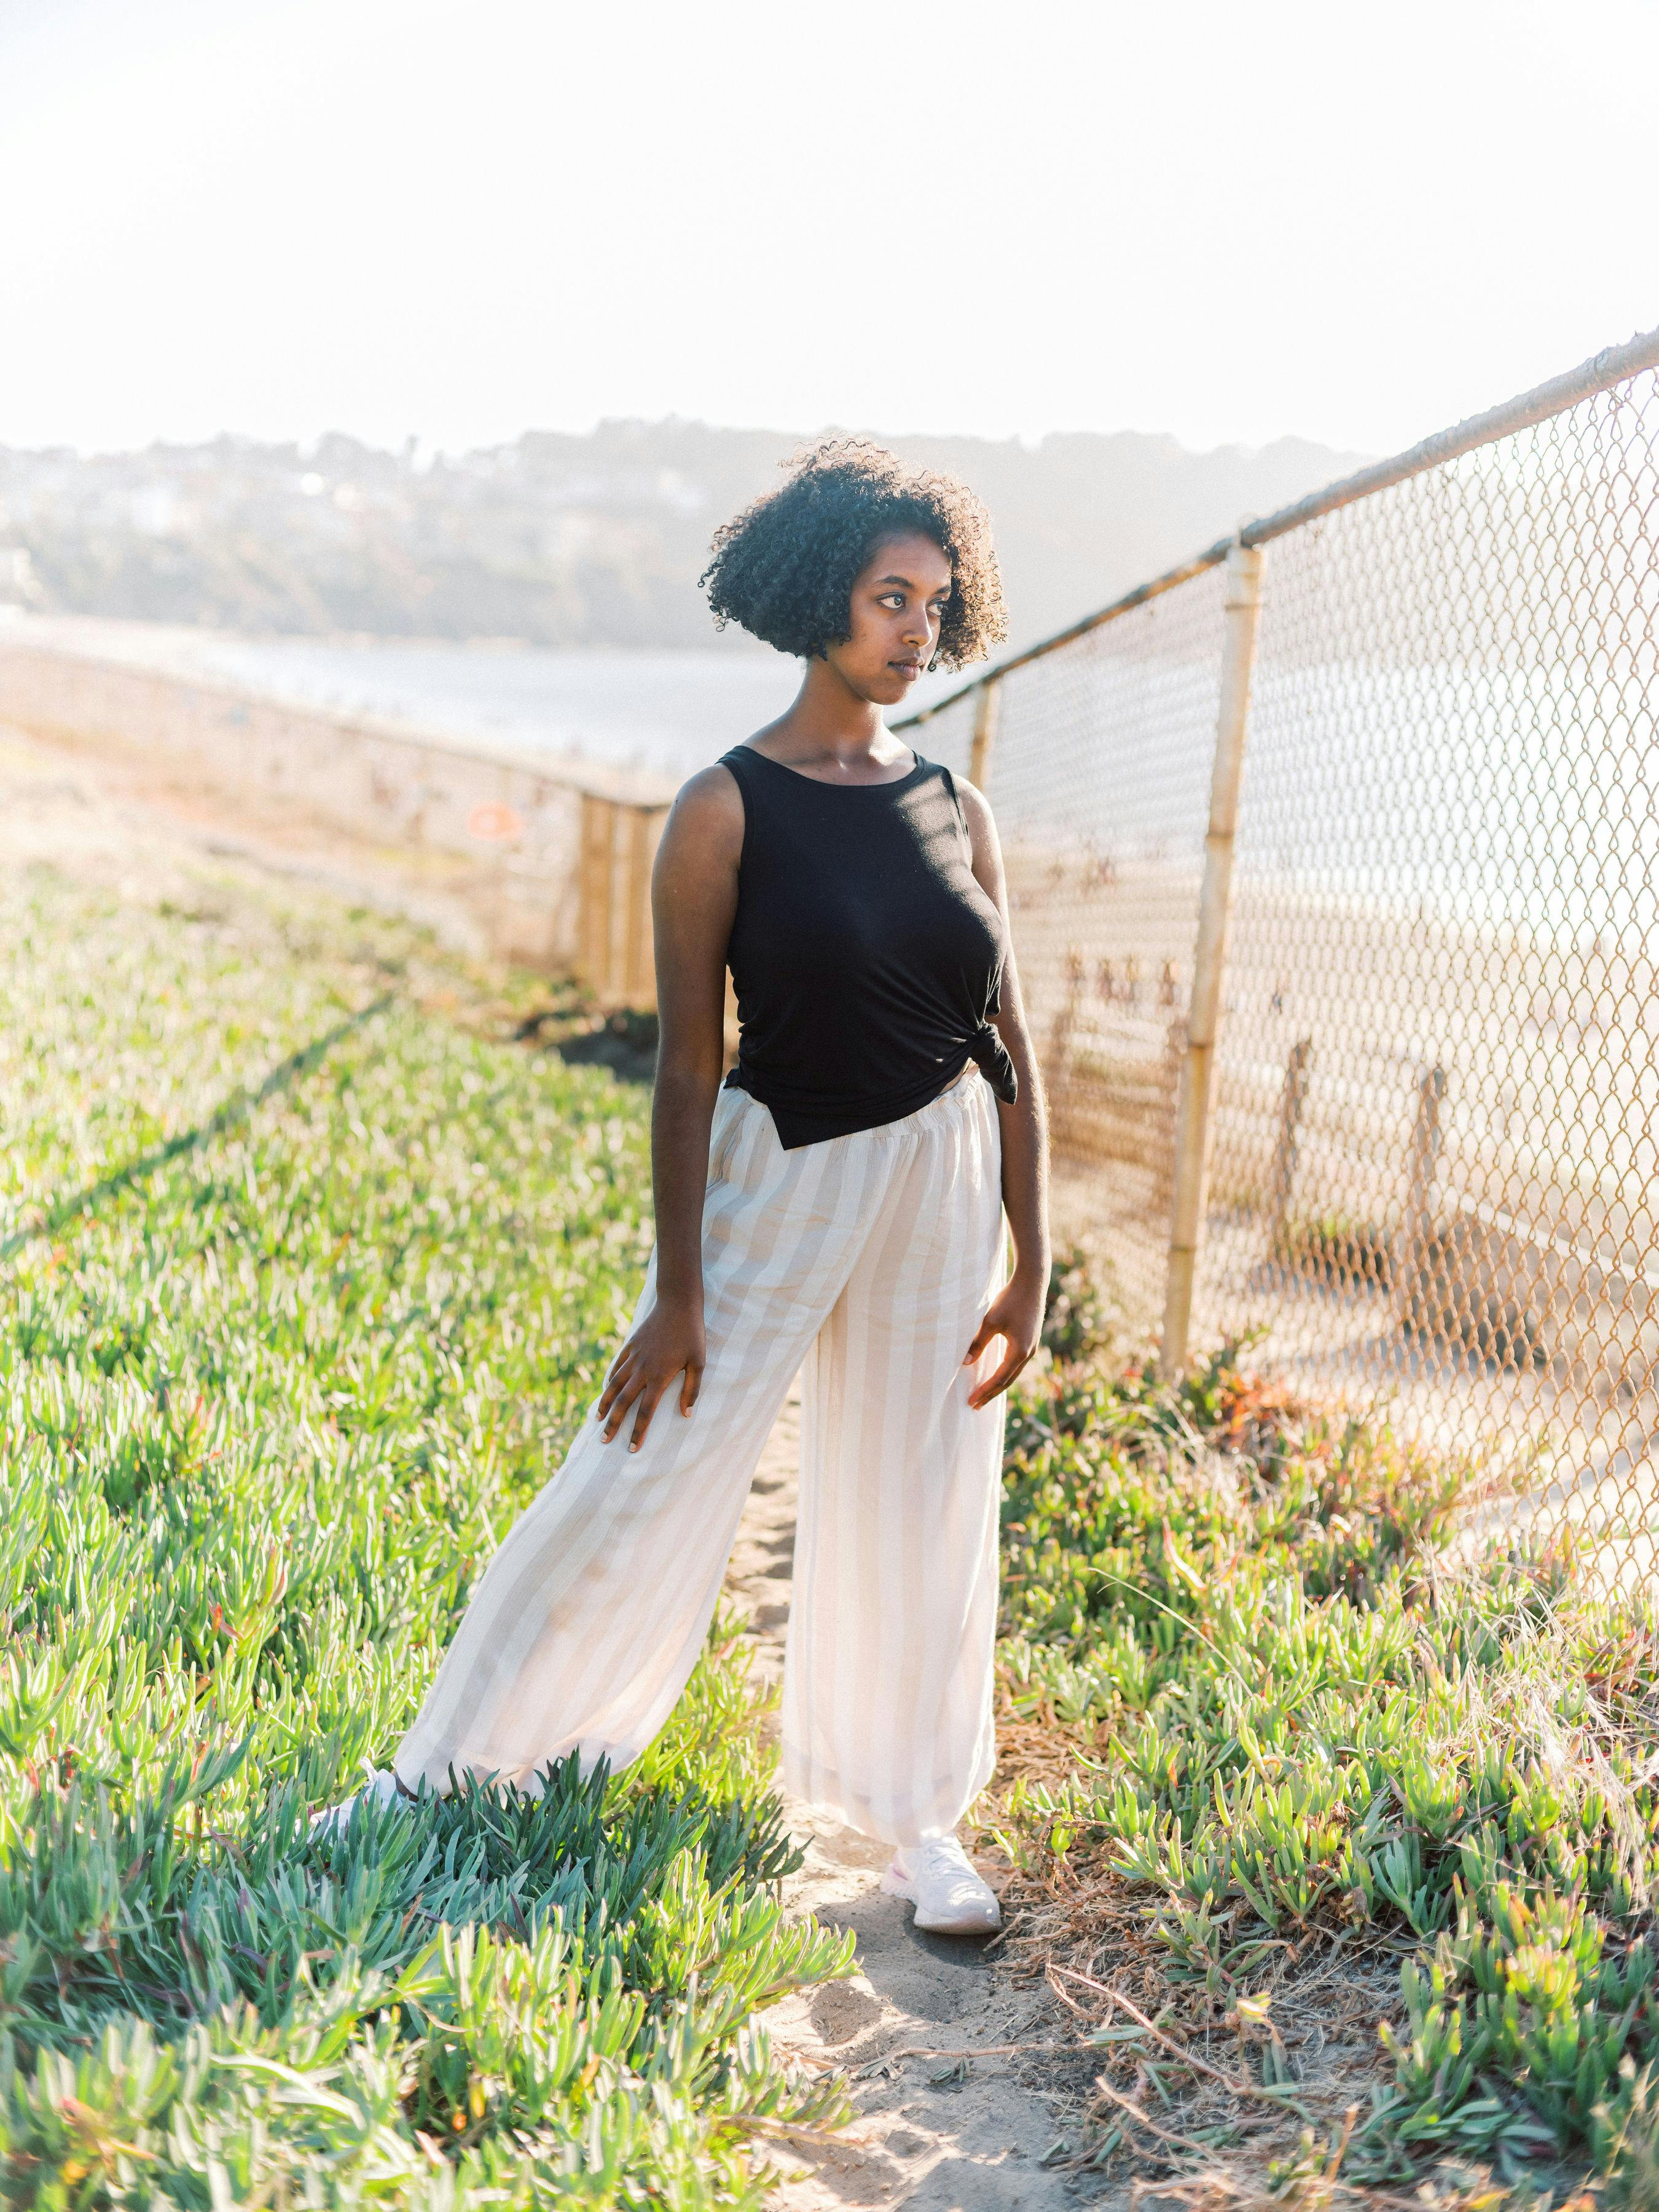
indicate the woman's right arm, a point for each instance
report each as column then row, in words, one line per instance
column 694, row 899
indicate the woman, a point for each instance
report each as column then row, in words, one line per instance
column 839, row 1202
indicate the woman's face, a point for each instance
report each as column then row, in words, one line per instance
column 899, row 598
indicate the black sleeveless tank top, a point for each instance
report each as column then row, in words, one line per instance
column 866, row 958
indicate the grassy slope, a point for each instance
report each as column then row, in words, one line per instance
column 1259, row 1728
column 263, row 1410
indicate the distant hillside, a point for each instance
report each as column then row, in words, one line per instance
column 566, row 540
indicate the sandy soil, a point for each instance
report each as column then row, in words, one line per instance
column 949, row 2117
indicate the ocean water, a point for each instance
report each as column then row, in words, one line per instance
column 664, row 713
column 669, row 712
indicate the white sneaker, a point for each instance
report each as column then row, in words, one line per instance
column 382, row 1787
column 949, row 1898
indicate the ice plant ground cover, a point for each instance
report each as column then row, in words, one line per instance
column 304, row 1284
column 308, row 1271
column 1276, row 1769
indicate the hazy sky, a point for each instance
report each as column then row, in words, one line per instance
column 1226, row 220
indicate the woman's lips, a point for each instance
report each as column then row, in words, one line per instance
column 908, row 669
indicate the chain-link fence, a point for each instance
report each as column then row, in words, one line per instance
column 1099, row 771
column 1423, row 1155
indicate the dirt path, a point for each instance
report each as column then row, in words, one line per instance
column 937, row 2130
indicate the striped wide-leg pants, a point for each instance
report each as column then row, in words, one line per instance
column 871, row 1259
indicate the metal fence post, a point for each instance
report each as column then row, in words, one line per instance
column 986, row 709
column 1291, row 1100
column 1193, row 1110
column 639, row 971
column 1415, row 1291
column 598, row 893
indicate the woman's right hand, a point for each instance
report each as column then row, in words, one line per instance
column 668, row 1342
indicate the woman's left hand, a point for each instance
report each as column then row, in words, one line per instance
column 1016, row 1315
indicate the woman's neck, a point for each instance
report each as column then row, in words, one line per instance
column 831, row 726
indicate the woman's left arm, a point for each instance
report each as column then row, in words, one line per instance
column 1016, row 1313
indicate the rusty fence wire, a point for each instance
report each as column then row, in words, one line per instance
column 1426, row 1143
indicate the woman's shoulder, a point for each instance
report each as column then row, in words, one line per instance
column 971, row 802
column 980, row 824
column 975, row 807
column 709, row 805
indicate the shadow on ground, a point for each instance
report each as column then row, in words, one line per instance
column 625, row 1043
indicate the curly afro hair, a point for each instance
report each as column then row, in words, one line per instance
column 785, row 567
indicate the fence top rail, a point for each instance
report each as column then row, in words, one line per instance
column 1613, row 365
